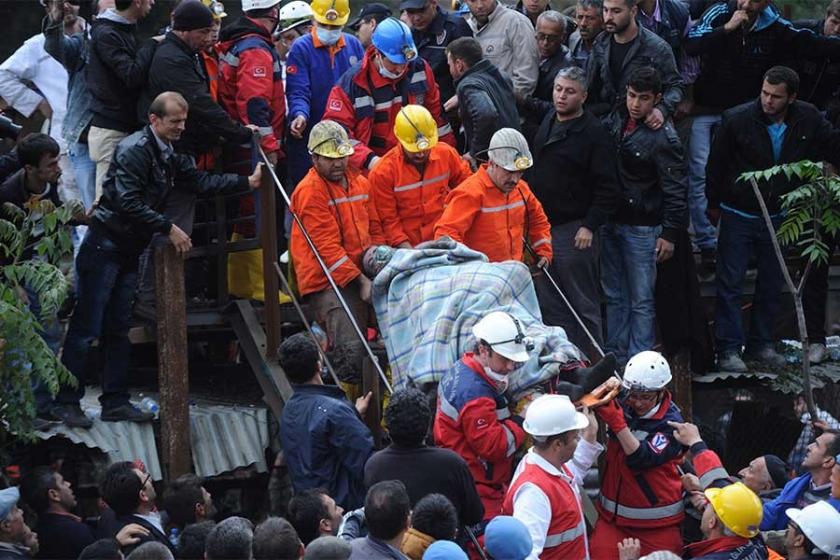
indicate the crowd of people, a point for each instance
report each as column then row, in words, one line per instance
column 600, row 147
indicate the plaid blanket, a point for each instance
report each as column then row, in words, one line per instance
column 428, row 299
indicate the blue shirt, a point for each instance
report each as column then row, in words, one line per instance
column 777, row 137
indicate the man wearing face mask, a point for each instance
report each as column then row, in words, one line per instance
column 367, row 98
column 316, row 62
column 494, row 209
column 473, row 418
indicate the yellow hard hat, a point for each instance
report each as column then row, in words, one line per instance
column 216, row 8
column 329, row 139
column 738, row 508
column 415, row 128
column 331, row 12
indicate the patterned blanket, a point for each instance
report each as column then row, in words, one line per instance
column 428, row 299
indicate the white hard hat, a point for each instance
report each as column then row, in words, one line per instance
column 647, row 371
column 509, row 150
column 503, row 332
column 550, row 415
column 820, row 522
column 294, row 13
column 258, row 4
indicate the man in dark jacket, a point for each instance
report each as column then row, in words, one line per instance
column 61, row 533
column 651, row 171
column 554, row 55
column 146, row 169
column 423, row 469
column 820, row 76
column 433, row 30
column 772, row 130
column 116, row 73
column 17, row 540
column 326, row 443
column 624, row 47
column 577, row 201
column 485, row 96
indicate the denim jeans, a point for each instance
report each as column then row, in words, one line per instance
column 51, row 333
column 105, row 291
column 628, row 278
column 84, row 169
column 741, row 237
column 698, row 154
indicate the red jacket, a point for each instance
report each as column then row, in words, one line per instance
column 341, row 222
column 366, row 104
column 474, row 420
column 644, row 489
column 708, row 467
column 251, row 81
column 482, row 217
column 566, row 537
column 726, row 548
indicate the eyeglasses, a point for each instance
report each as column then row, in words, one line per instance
column 146, row 481
column 642, row 397
column 548, row 38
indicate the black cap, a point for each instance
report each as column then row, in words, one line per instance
column 375, row 10
column 413, row 4
column 777, row 469
column 191, row 15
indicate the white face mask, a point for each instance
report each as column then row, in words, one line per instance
column 384, row 72
column 328, row 36
column 500, row 379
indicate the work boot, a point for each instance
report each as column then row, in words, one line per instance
column 817, row 353
column 731, row 362
column 72, row 416
column 767, row 356
column 126, row 413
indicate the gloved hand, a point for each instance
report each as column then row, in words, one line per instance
column 612, row 415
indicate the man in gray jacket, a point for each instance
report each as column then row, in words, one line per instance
column 507, row 38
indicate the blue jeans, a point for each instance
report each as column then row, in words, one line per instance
column 106, row 281
column 740, row 238
column 84, row 169
column 628, row 278
column 698, row 154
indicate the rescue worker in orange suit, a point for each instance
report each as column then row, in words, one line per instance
column 492, row 210
column 369, row 95
column 473, row 418
column 210, row 65
column 545, row 491
column 333, row 203
column 641, row 491
column 411, row 181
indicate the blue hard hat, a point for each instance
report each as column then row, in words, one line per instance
column 393, row 39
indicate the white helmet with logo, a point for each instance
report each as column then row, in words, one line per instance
column 504, row 334
column 550, row 415
column 509, row 150
column 647, row 371
column 258, row 4
column 821, row 524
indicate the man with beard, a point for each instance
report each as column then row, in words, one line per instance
column 17, row 540
column 187, row 501
column 590, row 23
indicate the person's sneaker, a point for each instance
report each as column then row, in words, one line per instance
column 767, row 356
column 731, row 362
column 72, row 416
column 817, row 353
column 126, row 413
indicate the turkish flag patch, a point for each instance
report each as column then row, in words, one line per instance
column 291, row 69
column 335, row 105
column 481, row 423
column 259, row 71
column 658, row 443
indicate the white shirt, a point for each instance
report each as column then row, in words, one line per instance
column 31, row 62
column 531, row 505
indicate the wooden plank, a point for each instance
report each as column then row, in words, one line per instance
column 682, row 381
column 373, row 417
column 268, row 241
column 173, row 368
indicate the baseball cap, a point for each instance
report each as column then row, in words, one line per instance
column 376, row 10
column 413, row 4
column 8, row 500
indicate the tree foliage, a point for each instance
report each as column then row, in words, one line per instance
column 40, row 232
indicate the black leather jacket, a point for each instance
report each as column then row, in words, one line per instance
column 135, row 189
column 648, row 49
column 485, row 104
column 432, row 42
column 652, row 175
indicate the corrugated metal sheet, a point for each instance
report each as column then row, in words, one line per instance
column 222, row 438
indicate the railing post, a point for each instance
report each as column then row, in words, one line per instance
column 268, row 242
column 173, row 370
column 373, row 416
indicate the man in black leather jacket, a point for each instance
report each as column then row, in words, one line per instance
column 642, row 233
column 485, row 96
column 144, row 171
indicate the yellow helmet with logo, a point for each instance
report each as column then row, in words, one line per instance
column 415, row 128
column 216, row 8
column 738, row 508
column 331, row 12
column 329, row 139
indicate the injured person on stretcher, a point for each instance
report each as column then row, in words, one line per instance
column 428, row 299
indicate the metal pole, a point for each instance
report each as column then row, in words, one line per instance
column 326, row 271
column 474, row 540
column 306, row 322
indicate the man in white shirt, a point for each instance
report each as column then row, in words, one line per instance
column 545, row 491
